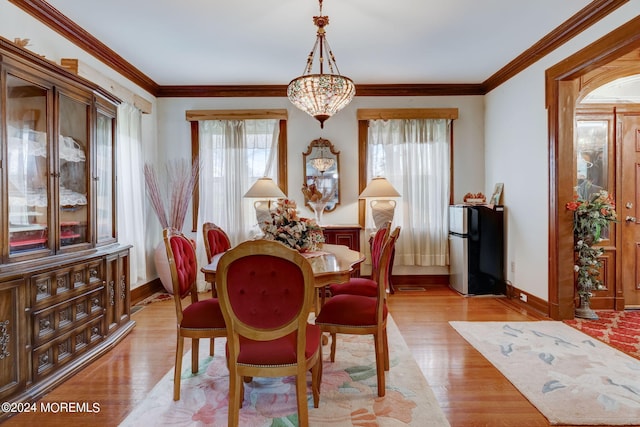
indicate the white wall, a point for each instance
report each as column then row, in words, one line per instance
column 516, row 144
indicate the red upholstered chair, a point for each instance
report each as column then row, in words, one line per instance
column 362, row 285
column 215, row 240
column 363, row 315
column 199, row 319
column 266, row 292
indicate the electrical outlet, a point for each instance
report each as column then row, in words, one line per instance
column 523, row 297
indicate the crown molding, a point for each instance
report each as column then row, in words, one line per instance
column 592, row 13
column 589, row 15
column 248, row 91
column 51, row 17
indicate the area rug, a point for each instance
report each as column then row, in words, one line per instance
column 156, row 297
column 619, row 329
column 570, row 377
column 348, row 394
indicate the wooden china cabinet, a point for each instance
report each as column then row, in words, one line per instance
column 64, row 278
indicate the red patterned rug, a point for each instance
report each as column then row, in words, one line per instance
column 619, row 329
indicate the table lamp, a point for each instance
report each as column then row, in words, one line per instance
column 264, row 188
column 381, row 210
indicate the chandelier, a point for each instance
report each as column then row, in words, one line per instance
column 321, row 95
column 322, row 164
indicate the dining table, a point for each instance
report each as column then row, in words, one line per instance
column 330, row 264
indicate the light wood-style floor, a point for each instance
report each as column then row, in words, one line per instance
column 469, row 389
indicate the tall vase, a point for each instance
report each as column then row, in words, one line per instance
column 585, row 311
column 162, row 267
column 318, row 210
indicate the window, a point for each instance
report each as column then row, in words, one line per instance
column 234, row 149
column 412, row 149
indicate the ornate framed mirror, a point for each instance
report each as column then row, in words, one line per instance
column 321, row 166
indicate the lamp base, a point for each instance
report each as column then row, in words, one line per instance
column 382, row 212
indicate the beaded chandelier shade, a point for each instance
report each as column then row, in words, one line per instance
column 321, row 95
column 322, row 164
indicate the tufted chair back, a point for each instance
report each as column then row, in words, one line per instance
column 266, row 292
column 183, row 265
column 215, row 240
column 265, row 289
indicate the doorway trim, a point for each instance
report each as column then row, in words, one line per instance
column 562, row 87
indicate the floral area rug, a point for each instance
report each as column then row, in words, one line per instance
column 348, row 394
column 568, row 376
column 619, row 329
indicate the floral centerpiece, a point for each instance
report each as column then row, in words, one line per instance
column 303, row 234
column 591, row 218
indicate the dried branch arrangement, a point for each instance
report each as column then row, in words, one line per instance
column 182, row 176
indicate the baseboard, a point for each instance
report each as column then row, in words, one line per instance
column 525, row 300
column 420, row 279
column 146, row 290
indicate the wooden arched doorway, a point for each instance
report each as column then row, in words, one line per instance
column 564, row 82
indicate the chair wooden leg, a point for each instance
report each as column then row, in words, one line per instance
column 178, row 368
column 301, row 394
column 379, row 347
column 242, row 383
column 235, row 387
column 211, row 346
column 386, row 351
column 333, row 347
column 321, row 366
column 195, row 350
column 316, row 372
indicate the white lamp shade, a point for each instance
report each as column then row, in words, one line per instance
column 379, row 187
column 265, row 188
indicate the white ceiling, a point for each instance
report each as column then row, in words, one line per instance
column 243, row 42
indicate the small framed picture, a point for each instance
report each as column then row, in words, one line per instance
column 497, row 194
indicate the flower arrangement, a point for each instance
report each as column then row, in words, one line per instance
column 591, row 217
column 303, row 234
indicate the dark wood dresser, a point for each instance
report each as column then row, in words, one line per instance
column 348, row 235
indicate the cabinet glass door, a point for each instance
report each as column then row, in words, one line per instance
column 27, row 166
column 105, row 182
column 73, row 142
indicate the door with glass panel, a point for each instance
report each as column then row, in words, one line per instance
column 104, row 175
column 73, row 140
column 28, row 182
column 596, row 171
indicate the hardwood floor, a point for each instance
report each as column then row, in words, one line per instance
column 469, row 389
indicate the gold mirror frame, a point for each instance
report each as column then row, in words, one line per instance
column 327, row 181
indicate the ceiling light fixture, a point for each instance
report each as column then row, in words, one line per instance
column 322, row 163
column 321, row 95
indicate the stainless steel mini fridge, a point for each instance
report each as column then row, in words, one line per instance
column 476, row 249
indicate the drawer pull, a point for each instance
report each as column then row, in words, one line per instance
column 43, row 359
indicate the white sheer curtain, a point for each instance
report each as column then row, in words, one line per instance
column 233, row 155
column 131, row 193
column 414, row 156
